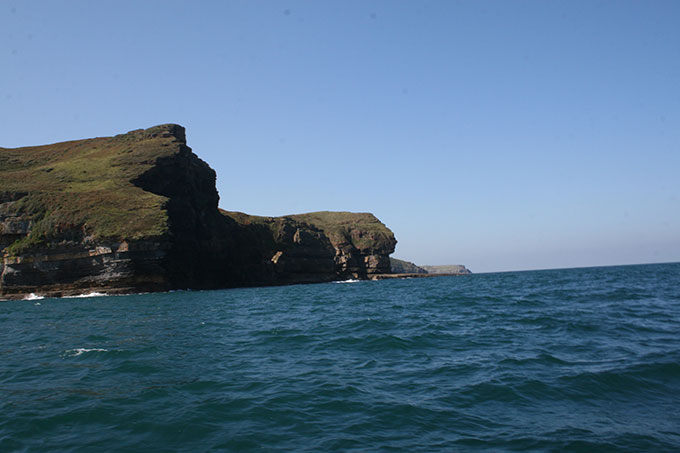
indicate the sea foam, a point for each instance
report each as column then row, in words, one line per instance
column 79, row 296
column 79, row 351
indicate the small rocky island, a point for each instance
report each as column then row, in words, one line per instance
column 138, row 212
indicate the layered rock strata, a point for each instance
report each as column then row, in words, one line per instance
column 139, row 212
column 321, row 246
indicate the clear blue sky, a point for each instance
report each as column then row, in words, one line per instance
column 498, row 134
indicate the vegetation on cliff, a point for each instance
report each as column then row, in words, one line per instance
column 405, row 267
column 139, row 212
column 447, row 269
column 355, row 245
column 360, row 230
column 85, row 187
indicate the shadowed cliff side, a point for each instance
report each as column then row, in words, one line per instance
column 72, row 221
column 321, row 246
column 138, row 212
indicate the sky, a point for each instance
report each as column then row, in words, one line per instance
column 503, row 135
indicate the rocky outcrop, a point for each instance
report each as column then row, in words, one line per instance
column 361, row 243
column 451, row 269
column 405, row 267
column 320, row 246
column 89, row 226
column 139, row 212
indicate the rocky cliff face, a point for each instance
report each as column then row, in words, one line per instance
column 138, row 212
column 405, row 267
column 321, row 246
column 81, row 223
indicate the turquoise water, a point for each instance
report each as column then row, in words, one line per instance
column 560, row 360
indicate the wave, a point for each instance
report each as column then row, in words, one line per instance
column 351, row 280
column 492, row 363
column 80, row 351
column 92, row 294
column 34, row 296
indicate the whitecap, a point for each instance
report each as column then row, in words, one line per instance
column 79, row 351
column 33, row 296
column 92, row 294
column 348, row 281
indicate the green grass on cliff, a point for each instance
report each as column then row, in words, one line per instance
column 361, row 230
column 86, row 186
column 405, row 267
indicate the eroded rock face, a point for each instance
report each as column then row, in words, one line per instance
column 13, row 225
column 72, row 268
column 362, row 247
column 46, row 243
column 320, row 246
column 138, row 212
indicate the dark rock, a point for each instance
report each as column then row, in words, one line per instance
column 320, row 246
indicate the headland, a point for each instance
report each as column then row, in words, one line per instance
column 138, row 212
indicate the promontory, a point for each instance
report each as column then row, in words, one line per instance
column 138, row 212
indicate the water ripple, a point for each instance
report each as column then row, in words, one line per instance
column 567, row 360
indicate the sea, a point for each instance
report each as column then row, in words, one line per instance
column 581, row 359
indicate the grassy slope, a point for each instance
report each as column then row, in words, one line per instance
column 338, row 226
column 447, row 269
column 405, row 267
column 86, row 184
column 363, row 230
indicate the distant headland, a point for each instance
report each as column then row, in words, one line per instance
column 138, row 212
column 401, row 267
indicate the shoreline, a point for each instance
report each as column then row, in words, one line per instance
column 66, row 293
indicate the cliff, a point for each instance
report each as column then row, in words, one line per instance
column 320, row 246
column 457, row 269
column 139, row 212
column 405, row 267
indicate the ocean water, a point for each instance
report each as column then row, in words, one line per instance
column 559, row 360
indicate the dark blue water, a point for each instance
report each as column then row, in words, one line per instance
column 563, row 360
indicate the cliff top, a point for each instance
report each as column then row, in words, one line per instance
column 91, row 188
column 405, row 267
column 361, row 230
column 87, row 184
